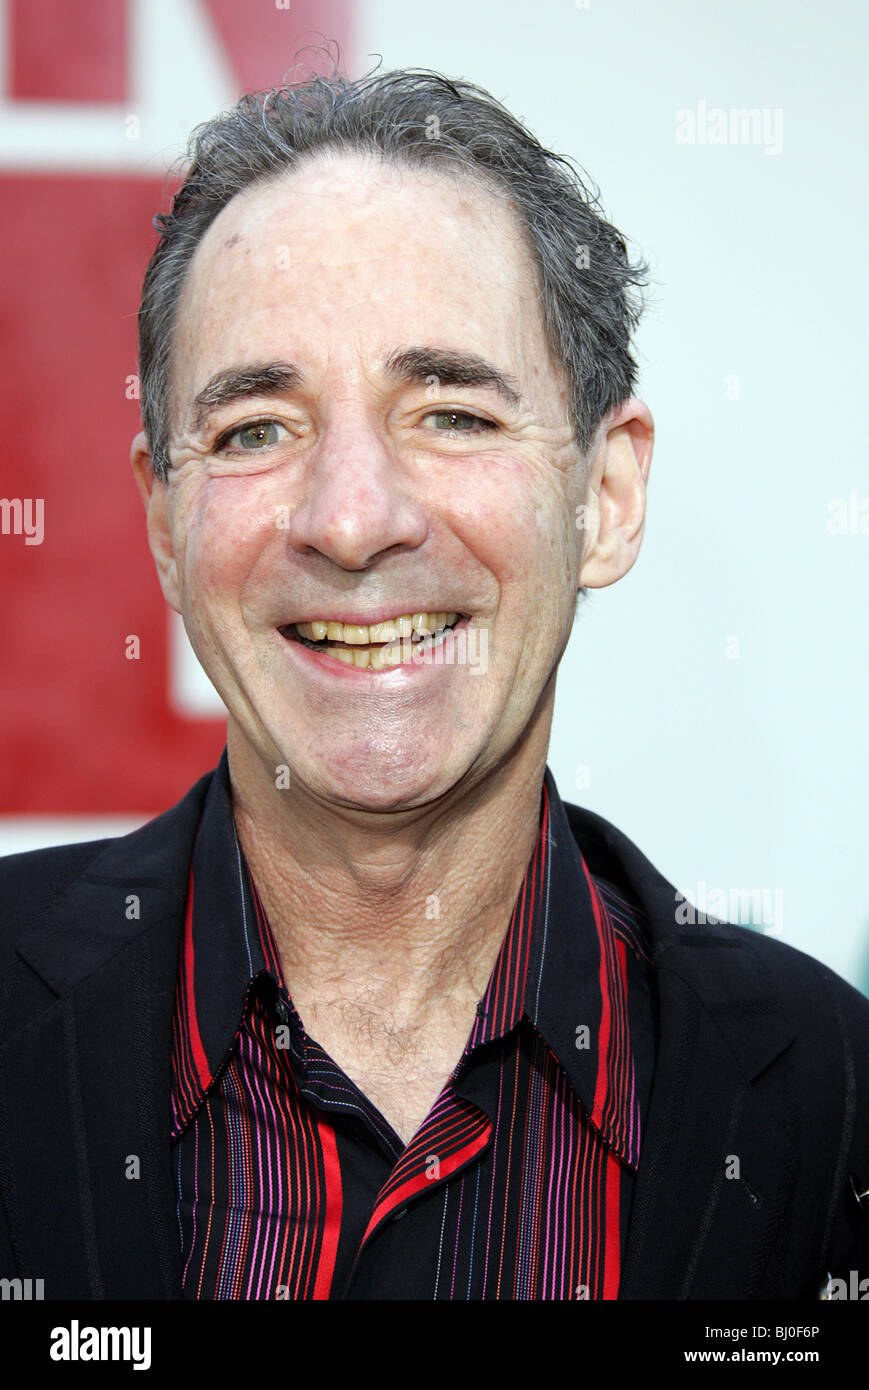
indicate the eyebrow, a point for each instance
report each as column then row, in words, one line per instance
column 263, row 379
column 452, row 368
column 413, row 365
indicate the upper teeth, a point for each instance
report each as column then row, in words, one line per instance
column 389, row 631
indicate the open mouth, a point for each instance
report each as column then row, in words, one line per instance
column 379, row 644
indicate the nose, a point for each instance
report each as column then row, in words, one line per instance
column 357, row 501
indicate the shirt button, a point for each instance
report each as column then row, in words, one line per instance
column 399, row 1214
column 282, row 1012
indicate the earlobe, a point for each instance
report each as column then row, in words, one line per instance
column 154, row 494
column 617, row 494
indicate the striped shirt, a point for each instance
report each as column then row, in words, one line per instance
column 518, row 1184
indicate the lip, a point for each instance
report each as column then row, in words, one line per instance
column 316, row 662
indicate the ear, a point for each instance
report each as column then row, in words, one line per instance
column 155, row 495
column 616, row 495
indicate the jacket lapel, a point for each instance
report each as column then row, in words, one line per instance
column 100, row 1056
column 717, row 1157
column 712, row 1181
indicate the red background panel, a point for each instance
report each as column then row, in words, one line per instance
column 67, row 50
column 265, row 42
column 83, row 730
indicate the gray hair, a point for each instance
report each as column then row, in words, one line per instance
column 590, row 292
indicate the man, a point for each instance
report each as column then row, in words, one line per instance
column 372, row 1013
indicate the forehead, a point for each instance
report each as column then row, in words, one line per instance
column 348, row 256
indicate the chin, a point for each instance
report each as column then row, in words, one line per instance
column 380, row 785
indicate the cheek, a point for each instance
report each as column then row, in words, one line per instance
column 226, row 526
column 516, row 523
column 560, row 538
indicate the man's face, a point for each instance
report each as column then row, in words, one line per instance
column 353, row 492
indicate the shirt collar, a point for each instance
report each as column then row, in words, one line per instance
column 226, row 945
column 561, row 965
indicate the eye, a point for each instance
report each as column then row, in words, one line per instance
column 259, row 434
column 478, row 422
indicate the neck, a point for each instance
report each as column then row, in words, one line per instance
column 405, row 909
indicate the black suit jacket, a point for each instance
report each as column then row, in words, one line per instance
column 763, row 1058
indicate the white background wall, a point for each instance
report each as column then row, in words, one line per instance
column 737, row 773
column 745, row 772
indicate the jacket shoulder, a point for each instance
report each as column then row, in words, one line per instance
column 33, row 881
column 30, row 881
column 717, row 957
column 798, row 1031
